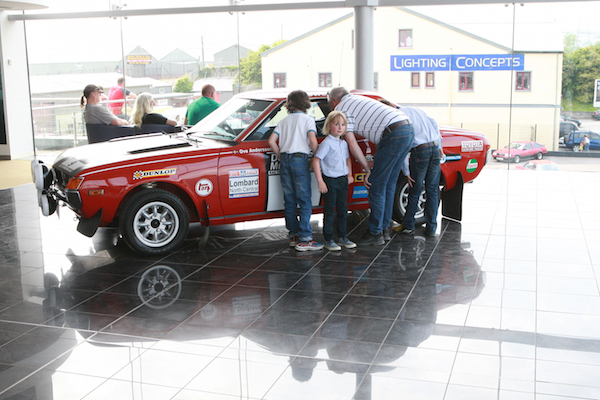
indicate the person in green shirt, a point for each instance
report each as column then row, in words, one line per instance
column 200, row 108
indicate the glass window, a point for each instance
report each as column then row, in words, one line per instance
column 523, row 81
column 466, row 81
column 406, row 39
column 415, row 79
column 429, row 80
column 325, row 79
column 376, row 80
column 279, row 80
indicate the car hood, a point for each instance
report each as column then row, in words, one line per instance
column 119, row 152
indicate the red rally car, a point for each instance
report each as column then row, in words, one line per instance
column 220, row 171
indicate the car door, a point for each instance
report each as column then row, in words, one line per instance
column 594, row 141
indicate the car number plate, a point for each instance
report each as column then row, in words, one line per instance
column 500, row 158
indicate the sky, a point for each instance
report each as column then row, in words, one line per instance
column 98, row 39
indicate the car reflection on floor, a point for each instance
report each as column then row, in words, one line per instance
column 362, row 308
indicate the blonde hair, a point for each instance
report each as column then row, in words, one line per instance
column 143, row 106
column 331, row 119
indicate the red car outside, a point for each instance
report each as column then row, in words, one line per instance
column 220, row 171
column 518, row 150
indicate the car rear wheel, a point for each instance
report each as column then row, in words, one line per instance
column 154, row 222
column 517, row 159
column 539, row 156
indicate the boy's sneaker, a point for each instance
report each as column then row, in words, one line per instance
column 402, row 229
column 386, row 235
column 294, row 240
column 331, row 245
column 309, row 246
column 344, row 242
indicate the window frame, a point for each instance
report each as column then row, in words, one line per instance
column 408, row 34
column 327, row 82
column 466, row 75
column 412, row 80
column 519, row 79
column 427, row 85
column 284, row 80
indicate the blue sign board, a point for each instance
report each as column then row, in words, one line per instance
column 459, row 62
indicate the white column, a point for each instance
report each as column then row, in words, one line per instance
column 363, row 27
column 15, row 88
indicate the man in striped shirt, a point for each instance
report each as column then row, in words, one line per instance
column 391, row 130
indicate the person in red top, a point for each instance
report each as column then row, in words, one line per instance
column 118, row 92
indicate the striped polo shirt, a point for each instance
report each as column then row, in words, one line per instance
column 368, row 117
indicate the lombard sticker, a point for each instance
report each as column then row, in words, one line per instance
column 472, row 165
column 154, row 173
column 471, row 145
column 204, row 187
column 243, row 183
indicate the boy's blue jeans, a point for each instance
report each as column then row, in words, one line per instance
column 295, row 182
column 335, row 198
column 391, row 152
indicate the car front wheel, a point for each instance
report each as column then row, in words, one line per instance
column 517, row 159
column 154, row 222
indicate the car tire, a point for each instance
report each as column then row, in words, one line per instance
column 154, row 222
column 401, row 202
column 517, row 159
column 539, row 156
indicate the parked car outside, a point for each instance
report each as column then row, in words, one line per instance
column 574, row 140
column 520, row 149
column 539, row 165
column 153, row 186
column 596, row 114
column 567, row 127
column 569, row 119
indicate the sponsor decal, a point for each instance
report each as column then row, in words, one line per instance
column 154, row 173
column 472, row 165
column 250, row 151
column 204, row 187
column 273, row 164
column 360, row 192
column 243, row 183
column 360, row 177
column 471, row 145
column 453, row 157
column 246, row 307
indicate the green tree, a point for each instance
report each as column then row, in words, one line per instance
column 251, row 68
column 184, row 85
column 581, row 67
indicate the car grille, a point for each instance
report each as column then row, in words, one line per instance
column 62, row 179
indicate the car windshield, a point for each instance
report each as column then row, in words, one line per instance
column 231, row 119
column 516, row 146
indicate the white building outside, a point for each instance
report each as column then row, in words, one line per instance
column 458, row 78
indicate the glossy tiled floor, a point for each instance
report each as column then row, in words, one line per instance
column 505, row 305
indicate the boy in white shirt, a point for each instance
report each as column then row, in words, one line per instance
column 292, row 140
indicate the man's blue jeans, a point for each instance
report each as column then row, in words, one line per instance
column 295, row 182
column 424, row 167
column 391, row 152
column 335, row 198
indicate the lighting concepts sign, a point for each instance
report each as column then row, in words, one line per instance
column 458, row 62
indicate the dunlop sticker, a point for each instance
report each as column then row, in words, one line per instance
column 154, row 173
